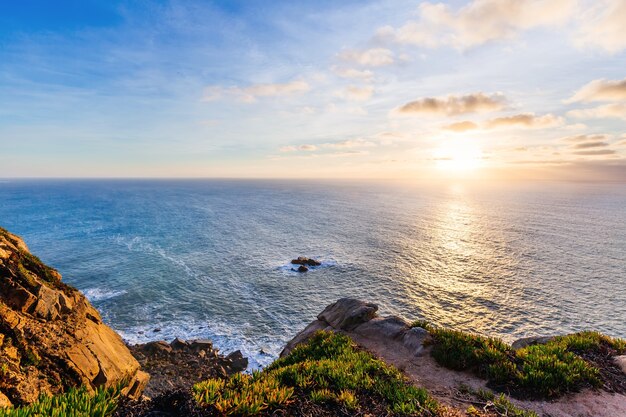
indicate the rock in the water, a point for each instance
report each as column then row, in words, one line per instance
column 347, row 313
column 532, row 340
column 238, row 361
column 302, row 268
column 305, row 261
column 53, row 337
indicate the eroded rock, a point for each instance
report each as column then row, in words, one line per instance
column 348, row 313
column 52, row 337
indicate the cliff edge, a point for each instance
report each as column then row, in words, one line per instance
column 51, row 337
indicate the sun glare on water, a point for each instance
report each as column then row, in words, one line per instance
column 458, row 156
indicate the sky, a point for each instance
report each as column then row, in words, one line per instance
column 532, row 89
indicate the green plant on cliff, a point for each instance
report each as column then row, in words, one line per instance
column 544, row 370
column 77, row 402
column 327, row 369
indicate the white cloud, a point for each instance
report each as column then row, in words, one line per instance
column 601, row 90
column 585, row 138
column 525, row 120
column 613, row 110
column 352, row 73
column 478, row 22
column 460, row 127
column 250, row 93
column 375, row 57
column 453, row 105
column 603, row 25
column 355, row 93
column 291, row 148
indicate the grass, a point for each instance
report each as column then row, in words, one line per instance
column 77, row 402
column 546, row 370
column 327, row 370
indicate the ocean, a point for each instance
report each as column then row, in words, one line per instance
column 210, row 258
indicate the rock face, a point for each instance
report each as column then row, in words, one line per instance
column 51, row 338
column 352, row 316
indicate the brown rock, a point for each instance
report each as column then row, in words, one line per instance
column 348, row 313
column 52, row 336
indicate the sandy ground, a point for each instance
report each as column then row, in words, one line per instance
column 443, row 384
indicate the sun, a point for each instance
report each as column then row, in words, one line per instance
column 459, row 156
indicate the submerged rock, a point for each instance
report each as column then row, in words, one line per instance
column 51, row 336
column 302, row 268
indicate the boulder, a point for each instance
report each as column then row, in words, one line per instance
column 160, row 347
column 238, row 361
column 529, row 341
column 414, row 340
column 302, row 268
column 348, row 313
column 391, row 327
column 52, row 336
column 179, row 344
column 201, row 344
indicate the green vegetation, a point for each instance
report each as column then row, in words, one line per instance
column 328, row 369
column 74, row 403
column 544, row 370
column 497, row 404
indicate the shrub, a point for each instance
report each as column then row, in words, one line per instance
column 328, row 368
column 74, row 403
column 547, row 370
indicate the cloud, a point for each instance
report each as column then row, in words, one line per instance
column 598, row 152
column 585, row 138
column 479, row 22
column 613, row 110
column 461, row 126
column 601, row 90
column 352, row 73
column 355, row 93
column 587, row 145
column 525, row 120
column 453, row 105
column 375, row 57
column 291, row 148
column 603, row 26
column 349, row 143
column 250, row 93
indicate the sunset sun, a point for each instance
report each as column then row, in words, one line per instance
column 458, row 156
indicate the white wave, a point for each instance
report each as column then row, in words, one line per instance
column 100, row 294
column 260, row 351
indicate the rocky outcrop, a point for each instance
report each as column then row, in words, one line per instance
column 51, row 337
column 181, row 363
column 354, row 317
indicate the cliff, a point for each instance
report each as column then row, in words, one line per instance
column 51, row 337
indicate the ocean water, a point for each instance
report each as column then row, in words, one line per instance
column 210, row 258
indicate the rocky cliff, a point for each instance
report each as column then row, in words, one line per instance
column 51, row 337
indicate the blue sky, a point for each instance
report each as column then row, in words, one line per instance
column 365, row 89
